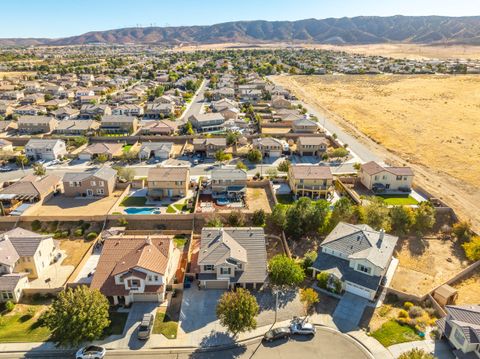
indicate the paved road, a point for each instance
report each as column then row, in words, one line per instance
column 196, row 105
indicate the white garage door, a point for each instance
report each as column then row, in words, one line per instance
column 145, row 297
column 365, row 293
column 275, row 153
column 216, row 284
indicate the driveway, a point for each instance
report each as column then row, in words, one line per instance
column 349, row 311
column 137, row 310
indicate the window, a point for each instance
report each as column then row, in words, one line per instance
column 224, row 270
column 150, row 278
column 120, row 280
column 93, row 183
column 101, row 183
column 100, row 191
column 459, row 337
column 399, row 178
column 155, row 277
column 376, row 178
column 71, row 184
column 134, row 283
column 208, row 267
column 363, row 268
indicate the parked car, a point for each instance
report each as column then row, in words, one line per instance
column 277, row 333
column 6, row 168
column 146, row 326
column 302, row 327
column 91, row 352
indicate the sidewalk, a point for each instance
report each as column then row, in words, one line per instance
column 440, row 348
column 372, row 345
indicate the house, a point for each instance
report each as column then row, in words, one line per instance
column 7, row 126
column 33, row 99
column 220, row 105
column 56, row 104
column 127, row 110
column 36, row 124
column 29, row 189
column 6, row 146
column 228, row 181
column 5, row 109
column 97, row 183
column 48, row 150
column 224, row 92
column 119, row 124
column 33, row 253
column 135, row 268
column 461, row 328
column 12, row 285
column 280, row 102
column 312, row 146
column 356, row 257
column 91, row 111
column 157, row 150
column 160, row 128
column 268, row 146
column 304, row 126
column 77, row 127
column 209, row 146
column 206, row 122
column 379, row 178
column 168, row 182
column 159, row 110
column 109, row 150
column 65, row 113
column 29, row 110
column 310, row 181
column 232, row 257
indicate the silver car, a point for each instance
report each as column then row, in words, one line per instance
column 145, row 327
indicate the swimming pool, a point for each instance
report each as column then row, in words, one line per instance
column 141, row 210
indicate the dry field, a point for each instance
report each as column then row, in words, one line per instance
column 15, row 74
column 75, row 249
column 426, row 263
column 428, row 122
column 468, row 290
column 257, row 199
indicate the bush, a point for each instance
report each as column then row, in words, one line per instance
column 36, row 225
column 415, row 311
column 462, row 230
column 92, row 235
column 258, row 218
column 78, row 232
column 472, row 249
column 402, row 313
column 431, row 312
column 57, row 234
column 322, row 279
column 65, row 233
column 408, row 305
column 9, row 306
column 384, row 310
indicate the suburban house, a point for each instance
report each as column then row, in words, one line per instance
column 36, row 124
column 461, row 327
column 304, row 125
column 224, row 92
column 228, row 181
column 157, row 150
column 91, row 111
column 107, row 149
column 127, row 110
column 135, row 268
column 310, row 181
column 206, row 122
column 48, row 150
column 65, row 113
column 33, row 252
column 356, row 257
column 312, row 146
column 12, row 285
column 268, row 146
column 209, row 146
column 7, row 126
column 6, row 146
column 232, row 257
column 98, row 183
column 119, row 124
column 155, row 111
column 160, row 128
column 29, row 110
column 280, row 102
column 77, row 127
column 168, row 182
column 29, row 189
column 379, row 178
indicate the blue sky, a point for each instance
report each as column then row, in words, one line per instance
column 58, row 18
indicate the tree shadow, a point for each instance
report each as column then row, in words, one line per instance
column 266, row 298
column 210, row 343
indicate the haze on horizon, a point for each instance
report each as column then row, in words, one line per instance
column 56, row 18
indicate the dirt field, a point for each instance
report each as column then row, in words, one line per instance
column 428, row 122
column 469, row 290
column 426, row 263
column 257, row 199
column 15, row 74
column 75, row 250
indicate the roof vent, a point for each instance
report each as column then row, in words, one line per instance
column 148, row 241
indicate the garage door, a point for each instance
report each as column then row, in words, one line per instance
column 308, row 153
column 275, row 153
column 365, row 293
column 216, row 284
column 145, row 297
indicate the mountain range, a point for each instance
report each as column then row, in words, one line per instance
column 356, row 30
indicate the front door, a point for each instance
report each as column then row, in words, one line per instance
column 89, row 193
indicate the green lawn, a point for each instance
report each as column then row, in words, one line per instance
column 285, row 198
column 20, row 326
column 126, row 148
column 398, row 200
column 118, row 321
column 392, row 332
column 179, row 241
column 133, row 202
column 171, row 209
column 163, row 325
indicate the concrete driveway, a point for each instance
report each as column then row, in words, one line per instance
column 137, row 310
column 349, row 311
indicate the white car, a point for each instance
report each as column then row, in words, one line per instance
column 302, row 327
column 91, row 352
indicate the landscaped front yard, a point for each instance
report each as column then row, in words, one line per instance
column 392, row 332
column 22, row 325
column 117, row 323
column 164, row 325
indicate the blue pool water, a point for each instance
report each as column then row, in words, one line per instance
column 141, row 210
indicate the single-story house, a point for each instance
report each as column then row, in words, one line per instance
column 110, row 150
column 157, row 150
column 77, row 127
column 160, row 127
column 209, row 146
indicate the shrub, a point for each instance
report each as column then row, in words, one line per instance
column 408, row 305
column 78, row 232
column 462, row 230
column 36, row 225
column 416, row 354
column 384, row 310
column 52, row 227
column 415, row 311
column 472, row 249
column 65, row 233
column 402, row 313
column 57, row 234
column 9, row 306
column 258, row 218
column 431, row 312
column 92, row 236
column 322, row 279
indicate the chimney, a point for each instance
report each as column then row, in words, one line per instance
column 148, row 240
column 381, row 234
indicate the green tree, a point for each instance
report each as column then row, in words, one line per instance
column 126, row 173
column 272, row 172
column 241, row 166
column 237, row 310
column 472, row 248
column 306, row 216
column 221, row 156
column 416, row 353
column 39, row 169
column 424, row 218
column 376, row 215
column 284, row 271
column 214, row 222
column 189, row 128
column 402, row 219
column 338, row 152
column 158, row 92
column 254, row 156
column 79, row 141
column 236, row 219
column 284, row 166
column 309, row 259
column 462, row 230
column 259, row 217
column 101, row 158
column 22, row 160
column 309, row 297
column 279, row 216
column 77, row 315
column 343, row 211
column 232, row 137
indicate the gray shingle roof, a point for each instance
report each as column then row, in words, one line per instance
column 25, row 242
column 467, row 317
column 104, row 173
column 8, row 282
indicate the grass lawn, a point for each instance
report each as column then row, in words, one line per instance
column 126, row 148
column 398, row 200
column 118, row 321
column 20, row 326
column 163, row 325
column 180, row 241
column 171, row 209
column 133, row 202
column 285, row 198
column 391, row 333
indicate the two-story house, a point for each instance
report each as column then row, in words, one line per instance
column 310, row 181
column 304, row 125
column 231, row 257
column 135, row 268
column 168, row 182
column 36, row 124
column 119, row 124
column 97, row 183
column 208, row 146
column 461, row 327
column 381, row 178
column 268, row 146
column 207, row 122
column 312, row 146
column 357, row 257
column 48, row 150
column 228, row 181
column 158, row 128
column 128, row 110
column 91, row 111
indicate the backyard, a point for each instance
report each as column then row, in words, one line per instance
column 75, row 249
column 468, row 289
column 398, row 200
column 257, row 199
column 133, row 201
